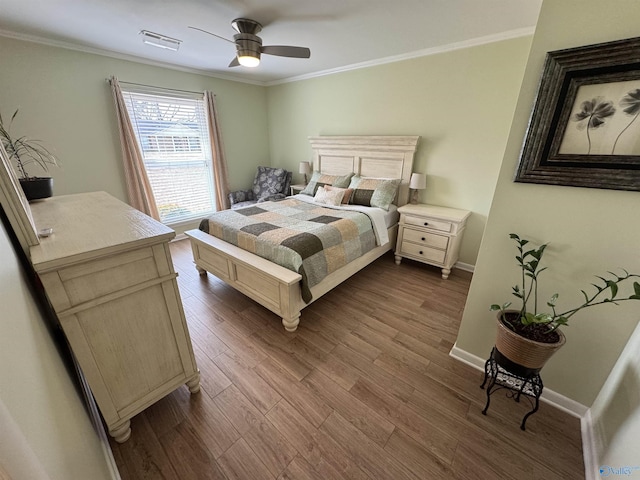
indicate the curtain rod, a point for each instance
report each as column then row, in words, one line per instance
column 154, row 86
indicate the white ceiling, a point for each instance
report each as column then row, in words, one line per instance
column 340, row 33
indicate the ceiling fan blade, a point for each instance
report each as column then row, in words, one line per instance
column 286, row 51
column 234, row 62
column 218, row 36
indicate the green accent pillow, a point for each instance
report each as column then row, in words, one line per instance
column 373, row 192
column 321, row 179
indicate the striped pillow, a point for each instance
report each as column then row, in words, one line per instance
column 321, row 179
column 373, row 192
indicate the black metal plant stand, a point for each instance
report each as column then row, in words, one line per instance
column 501, row 373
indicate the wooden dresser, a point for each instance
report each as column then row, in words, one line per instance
column 108, row 274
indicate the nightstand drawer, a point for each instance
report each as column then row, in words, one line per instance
column 427, row 223
column 423, row 238
column 430, row 234
column 423, row 253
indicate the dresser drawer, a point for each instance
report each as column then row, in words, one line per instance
column 422, row 252
column 439, row 225
column 97, row 278
column 423, row 238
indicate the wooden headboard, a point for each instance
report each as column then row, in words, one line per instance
column 369, row 156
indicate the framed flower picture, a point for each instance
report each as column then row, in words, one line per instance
column 584, row 129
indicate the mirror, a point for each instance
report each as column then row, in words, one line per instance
column 15, row 204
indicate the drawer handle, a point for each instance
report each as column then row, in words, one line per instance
column 420, row 252
column 423, row 239
column 426, row 224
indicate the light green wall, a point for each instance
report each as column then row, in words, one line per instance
column 44, row 425
column 590, row 230
column 459, row 102
column 65, row 101
column 616, row 412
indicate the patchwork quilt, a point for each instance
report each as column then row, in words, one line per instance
column 311, row 240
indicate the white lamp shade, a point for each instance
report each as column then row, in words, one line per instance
column 305, row 167
column 418, row 181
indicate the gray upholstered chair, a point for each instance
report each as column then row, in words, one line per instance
column 269, row 184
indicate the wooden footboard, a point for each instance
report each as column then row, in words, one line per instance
column 271, row 285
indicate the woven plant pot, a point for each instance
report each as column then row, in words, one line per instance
column 524, row 352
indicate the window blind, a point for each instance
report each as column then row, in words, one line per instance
column 174, row 141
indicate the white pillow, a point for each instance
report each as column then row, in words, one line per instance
column 328, row 197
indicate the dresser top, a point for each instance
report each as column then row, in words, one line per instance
column 90, row 225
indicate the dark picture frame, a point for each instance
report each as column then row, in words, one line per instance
column 584, row 129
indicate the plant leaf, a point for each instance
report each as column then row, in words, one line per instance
column 618, row 278
column 540, row 318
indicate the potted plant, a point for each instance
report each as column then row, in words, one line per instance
column 527, row 337
column 25, row 151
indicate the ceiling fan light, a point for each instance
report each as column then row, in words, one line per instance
column 248, row 61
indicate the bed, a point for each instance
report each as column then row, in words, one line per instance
column 278, row 288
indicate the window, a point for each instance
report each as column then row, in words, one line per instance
column 173, row 137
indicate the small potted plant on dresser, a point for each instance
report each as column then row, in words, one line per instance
column 527, row 337
column 25, row 151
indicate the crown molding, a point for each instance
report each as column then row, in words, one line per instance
column 511, row 34
column 521, row 32
column 121, row 56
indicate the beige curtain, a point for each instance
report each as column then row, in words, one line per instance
column 220, row 177
column 138, row 186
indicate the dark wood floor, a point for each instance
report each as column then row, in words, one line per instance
column 365, row 389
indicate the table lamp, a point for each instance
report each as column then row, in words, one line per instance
column 418, row 182
column 304, row 168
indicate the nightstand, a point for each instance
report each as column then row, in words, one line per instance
column 431, row 234
column 297, row 188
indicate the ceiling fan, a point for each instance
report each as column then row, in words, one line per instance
column 249, row 44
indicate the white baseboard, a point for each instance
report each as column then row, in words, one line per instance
column 565, row 404
column 467, row 267
column 96, row 420
column 576, row 409
column 589, row 448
